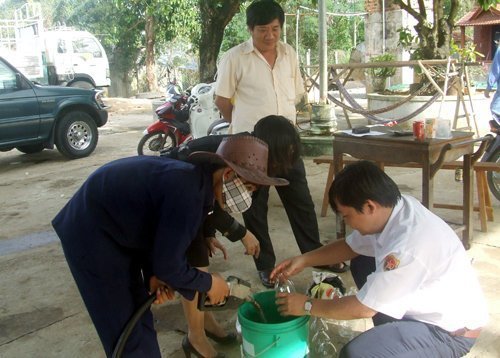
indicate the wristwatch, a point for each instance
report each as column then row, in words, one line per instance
column 308, row 307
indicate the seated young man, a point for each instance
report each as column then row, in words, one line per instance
column 414, row 277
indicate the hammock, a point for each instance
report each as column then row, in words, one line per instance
column 357, row 108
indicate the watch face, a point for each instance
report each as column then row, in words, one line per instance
column 308, row 306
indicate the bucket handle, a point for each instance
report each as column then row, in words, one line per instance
column 262, row 351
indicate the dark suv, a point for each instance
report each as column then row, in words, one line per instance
column 34, row 117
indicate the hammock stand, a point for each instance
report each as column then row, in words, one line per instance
column 450, row 79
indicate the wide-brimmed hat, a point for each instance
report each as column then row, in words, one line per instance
column 246, row 155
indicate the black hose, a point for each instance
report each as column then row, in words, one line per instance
column 120, row 345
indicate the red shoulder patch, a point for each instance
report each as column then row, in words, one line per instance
column 391, row 262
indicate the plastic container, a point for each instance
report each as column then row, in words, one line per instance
column 281, row 336
column 430, row 128
column 443, row 128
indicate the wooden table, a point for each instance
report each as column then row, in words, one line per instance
column 430, row 153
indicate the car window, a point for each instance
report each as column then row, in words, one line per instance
column 87, row 45
column 7, row 79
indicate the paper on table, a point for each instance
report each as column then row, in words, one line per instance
column 349, row 131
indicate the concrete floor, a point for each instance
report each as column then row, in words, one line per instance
column 53, row 322
column 42, row 315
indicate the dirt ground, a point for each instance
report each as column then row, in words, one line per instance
column 41, row 313
column 34, row 187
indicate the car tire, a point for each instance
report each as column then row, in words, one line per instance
column 76, row 135
column 31, row 149
column 81, row 84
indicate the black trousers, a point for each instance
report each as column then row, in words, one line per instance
column 112, row 293
column 393, row 337
column 299, row 208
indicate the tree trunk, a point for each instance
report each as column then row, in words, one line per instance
column 434, row 33
column 150, row 54
column 120, row 71
column 215, row 15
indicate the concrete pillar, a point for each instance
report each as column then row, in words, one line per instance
column 323, row 119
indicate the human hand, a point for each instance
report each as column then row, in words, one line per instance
column 163, row 291
column 219, row 290
column 288, row 268
column 291, row 304
column 487, row 93
column 214, row 245
column 252, row 245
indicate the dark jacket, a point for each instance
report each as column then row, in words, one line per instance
column 143, row 210
column 218, row 220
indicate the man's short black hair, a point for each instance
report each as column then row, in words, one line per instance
column 263, row 12
column 362, row 181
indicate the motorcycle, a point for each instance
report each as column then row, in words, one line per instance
column 181, row 118
column 492, row 154
column 203, row 111
column 171, row 128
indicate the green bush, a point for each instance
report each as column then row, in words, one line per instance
column 383, row 72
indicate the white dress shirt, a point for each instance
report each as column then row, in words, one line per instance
column 422, row 271
column 257, row 90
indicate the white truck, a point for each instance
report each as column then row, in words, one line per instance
column 59, row 56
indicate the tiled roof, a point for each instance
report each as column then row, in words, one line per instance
column 479, row 17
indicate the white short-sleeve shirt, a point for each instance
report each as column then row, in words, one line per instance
column 258, row 90
column 422, row 271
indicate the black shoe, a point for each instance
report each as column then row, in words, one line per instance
column 264, row 278
column 230, row 338
column 337, row 268
column 188, row 349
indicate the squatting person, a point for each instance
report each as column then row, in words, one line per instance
column 414, row 277
column 126, row 231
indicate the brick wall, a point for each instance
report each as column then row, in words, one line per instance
column 372, row 6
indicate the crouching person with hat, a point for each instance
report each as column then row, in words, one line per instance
column 414, row 277
column 126, row 231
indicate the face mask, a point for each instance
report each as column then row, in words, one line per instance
column 237, row 198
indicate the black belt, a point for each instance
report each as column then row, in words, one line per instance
column 467, row 333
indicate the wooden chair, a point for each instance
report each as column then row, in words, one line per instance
column 484, row 206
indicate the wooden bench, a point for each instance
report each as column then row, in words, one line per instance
column 480, row 168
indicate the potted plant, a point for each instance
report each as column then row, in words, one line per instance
column 380, row 74
column 466, row 54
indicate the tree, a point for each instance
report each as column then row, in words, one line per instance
column 434, row 31
column 340, row 29
column 132, row 31
column 162, row 21
column 214, row 17
column 118, row 28
column 486, row 4
column 224, row 25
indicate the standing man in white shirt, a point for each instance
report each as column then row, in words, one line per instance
column 417, row 283
column 257, row 78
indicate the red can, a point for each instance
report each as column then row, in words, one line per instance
column 418, row 130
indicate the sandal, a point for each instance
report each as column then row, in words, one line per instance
column 230, row 338
column 337, row 268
